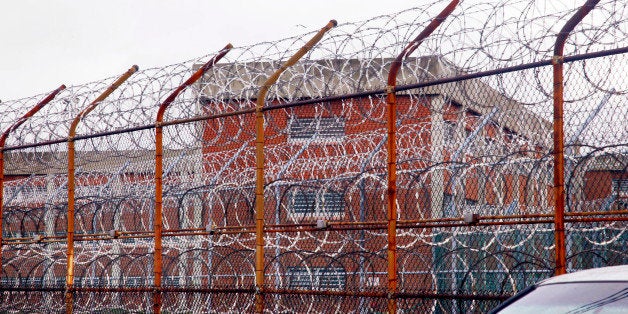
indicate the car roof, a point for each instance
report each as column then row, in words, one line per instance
column 611, row 273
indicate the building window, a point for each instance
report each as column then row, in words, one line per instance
column 11, row 234
column 34, row 282
column 26, row 193
column 172, row 281
column 135, row 281
column 620, row 193
column 316, row 277
column 620, row 188
column 327, row 128
column 9, row 281
column 449, row 134
column 448, row 206
column 88, row 281
column 326, row 204
column 58, row 281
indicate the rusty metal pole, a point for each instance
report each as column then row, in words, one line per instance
column 559, row 137
column 391, row 112
column 3, row 139
column 69, row 280
column 259, row 163
column 159, row 165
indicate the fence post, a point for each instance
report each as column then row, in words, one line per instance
column 69, row 280
column 559, row 137
column 159, row 170
column 391, row 108
column 259, row 163
column 3, row 139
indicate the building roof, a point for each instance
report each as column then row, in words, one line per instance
column 605, row 162
column 306, row 79
column 131, row 161
column 334, row 77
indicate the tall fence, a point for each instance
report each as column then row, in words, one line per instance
column 305, row 175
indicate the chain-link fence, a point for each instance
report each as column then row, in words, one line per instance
column 188, row 188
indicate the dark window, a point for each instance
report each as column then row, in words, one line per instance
column 448, row 206
column 88, row 281
column 620, row 193
column 9, row 281
column 34, row 282
column 58, row 281
column 317, row 128
column 11, row 234
column 317, row 277
column 317, row 203
column 620, row 187
column 171, row 281
column 135, row 281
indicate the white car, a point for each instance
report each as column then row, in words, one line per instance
column 598, row 290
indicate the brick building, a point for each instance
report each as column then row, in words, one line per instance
column 463, row 148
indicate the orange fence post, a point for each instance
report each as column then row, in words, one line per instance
column 3, row 139
column 69, row 280
column 159, row 149
column 391, row 113
column 559, row 137
column 259, row 163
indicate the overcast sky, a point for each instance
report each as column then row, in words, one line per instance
column 47, row 43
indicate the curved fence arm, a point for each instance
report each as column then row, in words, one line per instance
column 414, row 44
column 559, row 136
column 71, row 181
column 158, row 222
column 3, row 139
column 259, row 162
column 29, row 114
column 100, row 98
column 307, row 47
column 391, row 108
column 191, row 80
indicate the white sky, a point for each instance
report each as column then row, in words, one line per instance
column 53, row 42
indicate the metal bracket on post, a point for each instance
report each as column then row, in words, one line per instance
column 471, row 218
column 558, row 60
column 321, row 224
column 114, row 233
column 211, row 228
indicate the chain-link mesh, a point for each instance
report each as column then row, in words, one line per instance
column 474, row 180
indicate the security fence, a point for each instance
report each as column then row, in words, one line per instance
column 354, row 169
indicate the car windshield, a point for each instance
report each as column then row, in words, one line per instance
column 579, row 297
